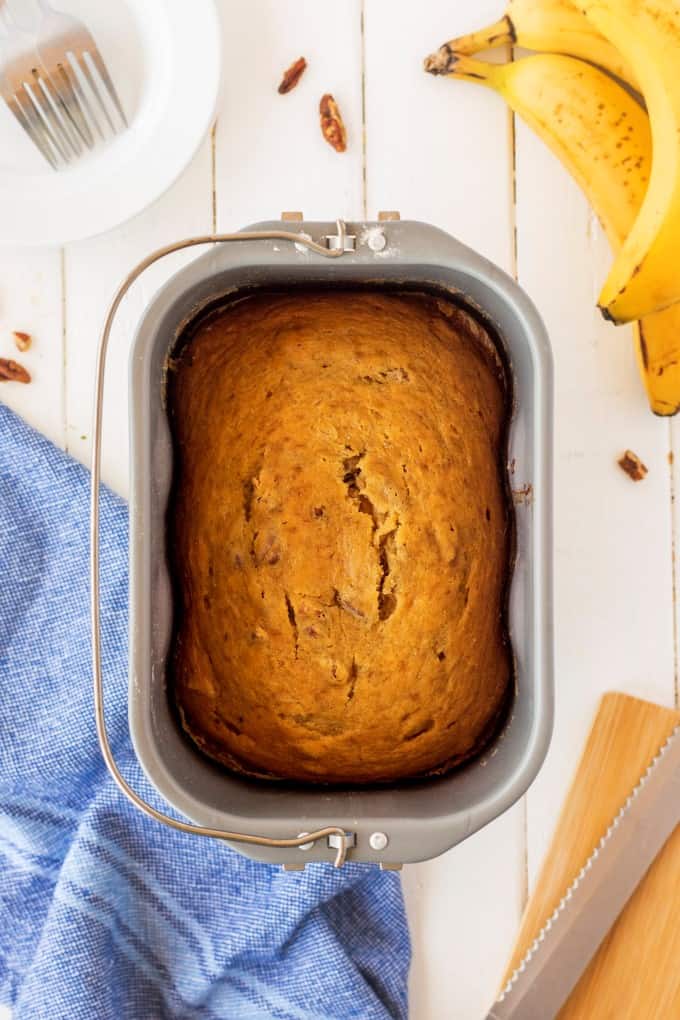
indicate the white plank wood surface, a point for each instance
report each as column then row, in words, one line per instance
column 270, row 155
column 441, row 152
column 31, row 293
column 613, row 596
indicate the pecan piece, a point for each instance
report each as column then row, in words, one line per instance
column 633, row 466
column 22, row 340
column 332, row 126
column 12, row 371
column 292, row 76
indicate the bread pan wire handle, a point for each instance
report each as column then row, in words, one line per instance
column 139, row 802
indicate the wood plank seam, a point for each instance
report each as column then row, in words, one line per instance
column 512, row 133
column 64, row 351
column 364, row 127
column 674, row 581
column 514, row 266
column 213, row 175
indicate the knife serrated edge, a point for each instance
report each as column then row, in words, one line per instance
column 600, row 846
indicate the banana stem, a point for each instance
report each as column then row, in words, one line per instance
column 479, row 71
column 500, row 33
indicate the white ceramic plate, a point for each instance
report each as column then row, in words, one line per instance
column 164, row 56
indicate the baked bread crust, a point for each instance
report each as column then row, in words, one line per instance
column 340, row 535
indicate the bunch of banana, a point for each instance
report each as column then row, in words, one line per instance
column 603, row 137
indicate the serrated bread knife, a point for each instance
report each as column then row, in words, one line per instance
column 541, row 984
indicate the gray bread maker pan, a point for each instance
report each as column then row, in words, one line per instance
column 386, row 825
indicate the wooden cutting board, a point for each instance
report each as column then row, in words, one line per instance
column 635, row 974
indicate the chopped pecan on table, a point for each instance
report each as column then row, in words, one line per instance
column 633, row 466
column 22, row 340
column 332, row 127
column 12, row 371
column 292, row 76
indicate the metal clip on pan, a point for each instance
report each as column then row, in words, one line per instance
column 339, row 837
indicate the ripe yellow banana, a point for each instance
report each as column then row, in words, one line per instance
column 602, row 136
column 550, row 26
column 645, row 275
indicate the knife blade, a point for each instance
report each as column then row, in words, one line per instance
column 554, row 962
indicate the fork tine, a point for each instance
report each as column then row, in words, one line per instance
column 84, row 67
column 51, row 113
column 92, row 82
column 63, row 96
column 96, row 57
column 33, row 111
column 35, row 131
column 50, row 118
column 38, row 137
column 68, row 75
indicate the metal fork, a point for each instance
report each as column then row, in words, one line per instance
column 39, row 81
column 20, row 88
column 66, row 49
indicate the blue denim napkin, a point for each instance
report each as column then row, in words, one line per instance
column 104, row 913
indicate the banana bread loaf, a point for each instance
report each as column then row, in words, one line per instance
column 339, row 535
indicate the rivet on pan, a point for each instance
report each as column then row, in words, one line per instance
column 376, row 240
column 304, row 846
column 378, row 841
